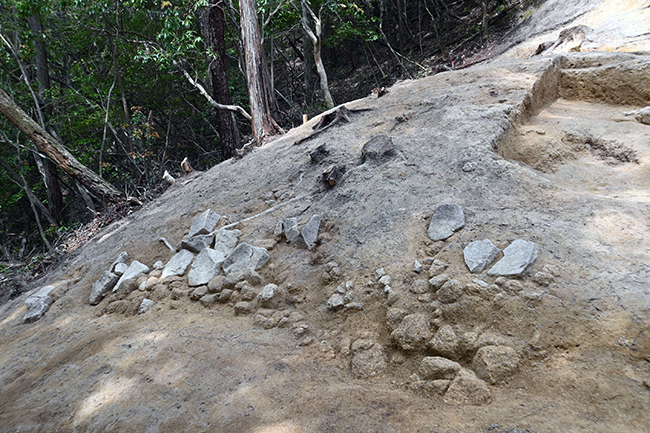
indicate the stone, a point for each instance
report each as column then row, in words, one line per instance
column 248, row 293
column 309, row 234
column 224, row 296
column 437, row 267
column 385, row 280
column 197, row 243
column 122, row 258
column 335, row 302
column 450, row 292
column 178, row 294
column 226, row 240
column 42, row 293
column 417, row 267
column 253, row 277
column 206, row 266
column 120, row 269
column 198, row 293
column 419, row 287
column 468, row 389
column 289, row 229
column 413, row 333
column 391, row 296
column 178, row 264
column 208, row 300
column 517, row 257
column 268, row 292
column 378, row 149
column 436, row 282
column 102, row 286
column 479, row 255
column 468, row 343
column 160, row 292
column 37, row 308
column 379, row 272
column 354, row 306
column 394, row 317
column 481, row 283
column 233, row 279
column 145, row 305
column 445, row 342
column 369, row 363
column 158, row 265
column 543, row 278
column 267, row 244
column 204, row 223
column 243, row 307
column 245, row 257
column 643, row 116
column 446, row 219
column 436, row 367
column 495, row 363
column 133, row 271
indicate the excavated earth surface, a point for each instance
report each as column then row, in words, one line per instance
column 537, row 149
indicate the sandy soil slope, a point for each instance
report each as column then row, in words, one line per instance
column 537, row 149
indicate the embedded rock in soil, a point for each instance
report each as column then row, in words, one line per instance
column 103, row 285
column 370, row 362
column 197, row 243
column 413, row 333
column 495, row 363
column 245, row 257
column 206, row 266
column 517, row 257
column 447, row 219
column 335, row 302
column 198, row 293
column 378, row 150
column 268, row 292
column 309, row 234
column 479, row 254
column 37, row 308
column 226, row 240
column 204, row 223
column 122, row 258
column 289, row 229
column 436, row 367
column 445, row 342
column 450, row 292
column 178, row 264
column 145, row 305
column 468, row 389
column 134, row 270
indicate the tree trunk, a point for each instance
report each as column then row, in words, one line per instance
column 215, row 32
column 316, row 39
column 57, row 152
column 50, row 178
column 263, row 125
column 308, row 64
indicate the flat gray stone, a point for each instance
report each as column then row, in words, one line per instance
column 197, row 243
column 517, row 257
column 204, row 223
column 158, row 265
column 206, row 266
column 245, row 257
column 120, row 269
column 268, row 292
column 309, row 234
column 178, row 264
column 145, row 305
column 436, row 367
column 479, row 255
column 447, row 219
column 335, row 302
column 43, row 292
column 378, row 149
column 135, row 269
column 226, row 240
column 102, row 286
column 289, row 228
column 38, row 308
column 122, row 258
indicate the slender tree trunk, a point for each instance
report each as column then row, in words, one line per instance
column 400, row 26
column 316, row 39
column 50, row 178
column 308, row 63
column 263, row 124
column 56, row 151
column 215, row 32
column 484, row 7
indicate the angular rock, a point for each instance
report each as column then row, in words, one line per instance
column 436, row 367
column 226, row 240
column 517, row 257
column 289, row 229
column 378, row 149
column 206, row 266
column 42, row 293
column 216, row 284
column 335, row 302
column 197, row 243
column 134, row 270
column 268, row 292
column 178, row 264
column 466, row 388
column 417, row 267
column 122, row 258
column 245, row 257
column 158, row 265
column 309, row 234
column 446, row 219
column 208, row 300
column 450, row 292
column 354, row 306
column 413, row 333
column 204, row 223
column 394, row 317
column 385, row 280
column 120, row 269
column 145, row 305
column 37, row 308
column 436, row 282
column 198, row 293
column 243, row 307
column 495, row 363
column 102, row 286
column 445, row 342
column 479, row 254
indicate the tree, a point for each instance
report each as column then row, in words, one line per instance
column 262, row 122
column 57, row 152
column 316, row 37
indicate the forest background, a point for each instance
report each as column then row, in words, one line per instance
column 129, row 89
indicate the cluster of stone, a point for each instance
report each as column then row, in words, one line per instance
column 306, row 238
column 517, row 257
